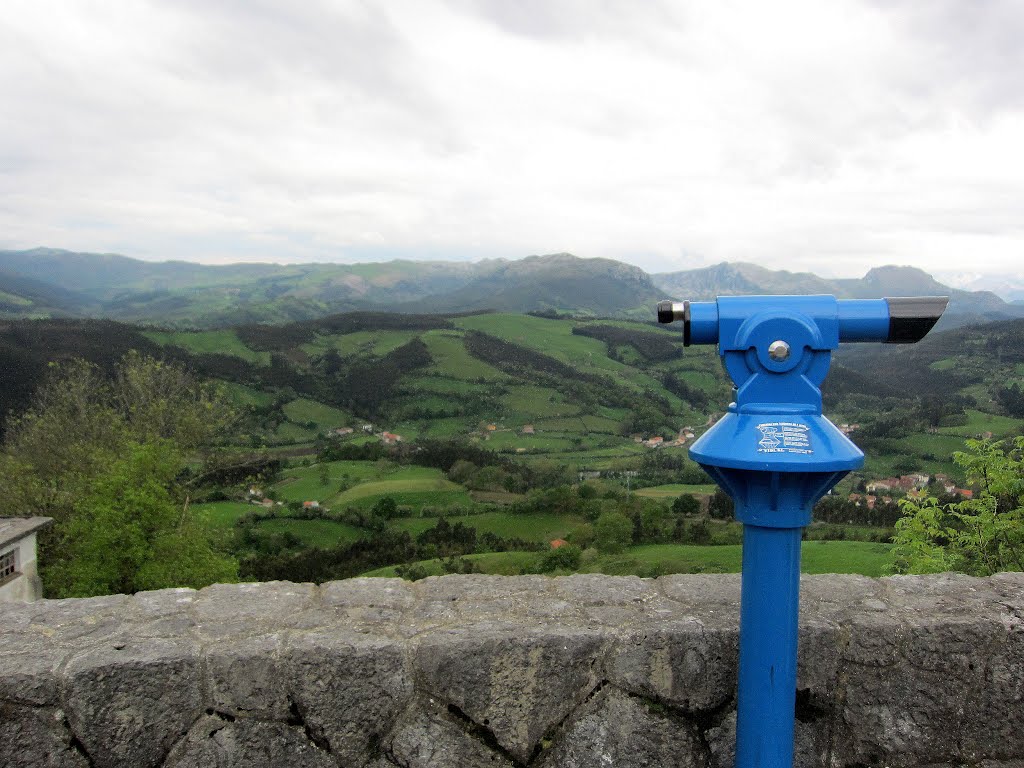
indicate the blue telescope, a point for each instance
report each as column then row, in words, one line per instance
column 775, row 454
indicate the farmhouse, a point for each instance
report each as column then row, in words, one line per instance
column 19, row 580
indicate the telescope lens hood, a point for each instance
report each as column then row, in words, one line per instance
column 910, row 318
column 670, row 311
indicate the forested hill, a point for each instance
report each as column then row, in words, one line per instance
column 965, row 307
column 52, row 283
column 574, row 388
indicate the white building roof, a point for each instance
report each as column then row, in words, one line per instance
column 14, row 528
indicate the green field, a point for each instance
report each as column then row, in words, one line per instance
column 288, row 432
column 451, row 359
column 376, row 343
column 674, row 490
column 498, row 563
column 222, row 514
column 546, row 442
column 208, row 342
column 303, row 411
column 314, row 533
column 555, row 338
column 979, row 422
column 243, row 396
column 303, row 483
column 411, row 493
column 530, row 403
column 536, row 528
column 659, row 559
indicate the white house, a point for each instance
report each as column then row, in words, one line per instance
column 19, row 579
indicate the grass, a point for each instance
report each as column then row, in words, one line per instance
column 412, row 486
column 242, row 396
column 451, row 359
column 530, row 402
column 314, row 533
column 817, row 557
column 377, row 343
column 674, row 490
column 651, row 559
column 539, row 528
column 304, row 410
column 441, row 428
column 979, row 422
column 289, row 432
column 222, row 514
column 596, row 458
column 549, row 442
column 223, row 342
column 303, row 483
column 500, row 563
column 440, row 385
column 555, row 338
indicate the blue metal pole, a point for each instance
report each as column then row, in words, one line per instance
column 769, row 610
column 775, row 454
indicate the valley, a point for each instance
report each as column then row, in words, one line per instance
column 418, row 444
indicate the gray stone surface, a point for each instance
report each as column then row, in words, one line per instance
column 214, row 742
column 348, row 689
column 623, row 731
column 430, row 737
column 37, row 736
column 472, row 671
column 130, row 701
column 516, row 684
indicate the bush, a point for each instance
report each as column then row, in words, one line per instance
column 687, row 504
column 564, row 558
column 614, row 532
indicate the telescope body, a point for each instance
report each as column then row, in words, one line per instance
column 775, row 454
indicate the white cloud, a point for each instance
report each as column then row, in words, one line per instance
column 823, row 136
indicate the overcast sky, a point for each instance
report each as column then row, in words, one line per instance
column 828, row 136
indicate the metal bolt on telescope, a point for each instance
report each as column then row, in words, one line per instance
column 775, row 454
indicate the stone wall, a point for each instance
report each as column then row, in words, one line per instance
column 473, row 671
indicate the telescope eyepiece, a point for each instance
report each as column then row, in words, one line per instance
column 911, row 317
column 670, row 311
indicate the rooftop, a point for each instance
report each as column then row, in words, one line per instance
column 14, row 528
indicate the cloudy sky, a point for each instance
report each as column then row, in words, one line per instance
column 828, row 136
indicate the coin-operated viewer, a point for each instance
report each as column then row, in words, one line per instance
column 775, row 454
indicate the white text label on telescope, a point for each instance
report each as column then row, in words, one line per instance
column 784, row 437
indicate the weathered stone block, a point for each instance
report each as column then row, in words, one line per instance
column 246, row 677
column 684, row 663
column 35, row 737
column 129, row 702
column 625, row 732
column 347, row 688
column 217, row 743
column 517, row 685
column 429, row 737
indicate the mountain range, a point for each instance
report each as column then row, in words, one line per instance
column 45, row 282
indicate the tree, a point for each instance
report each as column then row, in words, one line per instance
column 979, row 536
column 564, row 558
column 386, row 508
column 686, row 504
column 721, row 505
column 130, row 534
column 613, row 532
column 109, row 461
